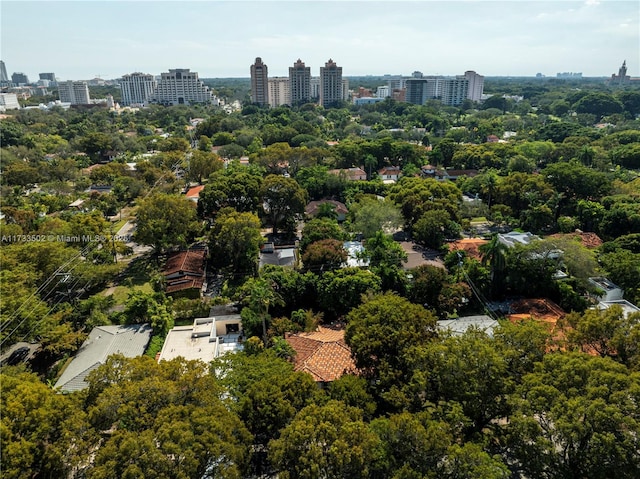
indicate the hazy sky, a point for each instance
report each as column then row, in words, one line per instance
column 81, row 39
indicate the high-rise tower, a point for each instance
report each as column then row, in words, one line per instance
column 137, row 88
column 300, row 83
column 330, row 83
column 259, row 83
column 4, row 77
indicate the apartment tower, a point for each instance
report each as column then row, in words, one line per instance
column 299, row 83
column 330, row 84
column 259, row 83
column 137, row 88
column 181, row 86
column 74, row 92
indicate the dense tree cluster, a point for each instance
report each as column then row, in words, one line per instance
column 423, row 403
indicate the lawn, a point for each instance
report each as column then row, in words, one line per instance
column 121, row 293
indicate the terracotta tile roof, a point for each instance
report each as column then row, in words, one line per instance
column 191, row 261
column 195, row 191
column 322, row 353
column 312, row 208
column 588, row 240
column 470, row 246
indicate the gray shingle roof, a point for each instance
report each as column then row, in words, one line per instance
column 103, row 341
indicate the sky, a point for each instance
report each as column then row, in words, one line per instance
column 82, row 39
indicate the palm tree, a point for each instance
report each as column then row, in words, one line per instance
column 494, row 254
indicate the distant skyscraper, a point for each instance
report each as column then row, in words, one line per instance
column 47, row 76
column 74, row 92
column 621, row 78
column 137, row 88
column 476, row 85
column 3, row 72
column 314, row 88
column 259, row 83
column 181, row 87
column 279, row 91
column 330, row 84
column 19, row 78
column 420, row 89
column 300, row 83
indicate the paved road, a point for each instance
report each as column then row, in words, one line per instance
column 126, row 234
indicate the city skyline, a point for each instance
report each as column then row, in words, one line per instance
column 220, row 39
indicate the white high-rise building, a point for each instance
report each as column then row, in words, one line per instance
column 181, row 87
column 454, row 90
column 383, row 92
column 137, row 88
column 476, row 85
column 9, row 101
column 3, row 72
column 74, row 92
column 314, row 87
column 279, row 91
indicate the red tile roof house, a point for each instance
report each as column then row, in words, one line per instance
column 193, row 193
column 184, row 273
column 390, row 173
column 352, row 174
column 313, row 208
column 322, row 353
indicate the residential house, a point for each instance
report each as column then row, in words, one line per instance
column 607, row 291
column 193, row 193
column 103, row 341
column 390, row 174
column 205, row 339
column 322, row 353
column 313, row 208
column 278, row 255
column 184, row 273
column 351, row 174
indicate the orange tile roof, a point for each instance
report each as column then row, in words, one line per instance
column 470, row 246
column 195, row 191
column 191, row 261
column 322, row 353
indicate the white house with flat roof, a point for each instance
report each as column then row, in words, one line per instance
column 205, row 339
column 627, row 307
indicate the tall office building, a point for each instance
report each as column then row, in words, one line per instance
column 476, row 85
column 74, row 92
column 300, row 83
column 314, row 88
column 181, row 87
column 279, row 91
column 3, row 72
column 137, row 88
column 330, row 84
column 47, row 76
column 20, row 78
column 259, row 82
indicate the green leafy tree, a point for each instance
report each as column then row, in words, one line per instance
column 165, row 220
column 284, row 199
column 44, row 434
column 235, row 241
column 320, row 229
column 237, row 187
column 434, row 227
column 341, row 290
column 324, row 255
column 381, row 332
column 330, row 441
column 202, row 164
column 370, row 215
column 575, row 416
